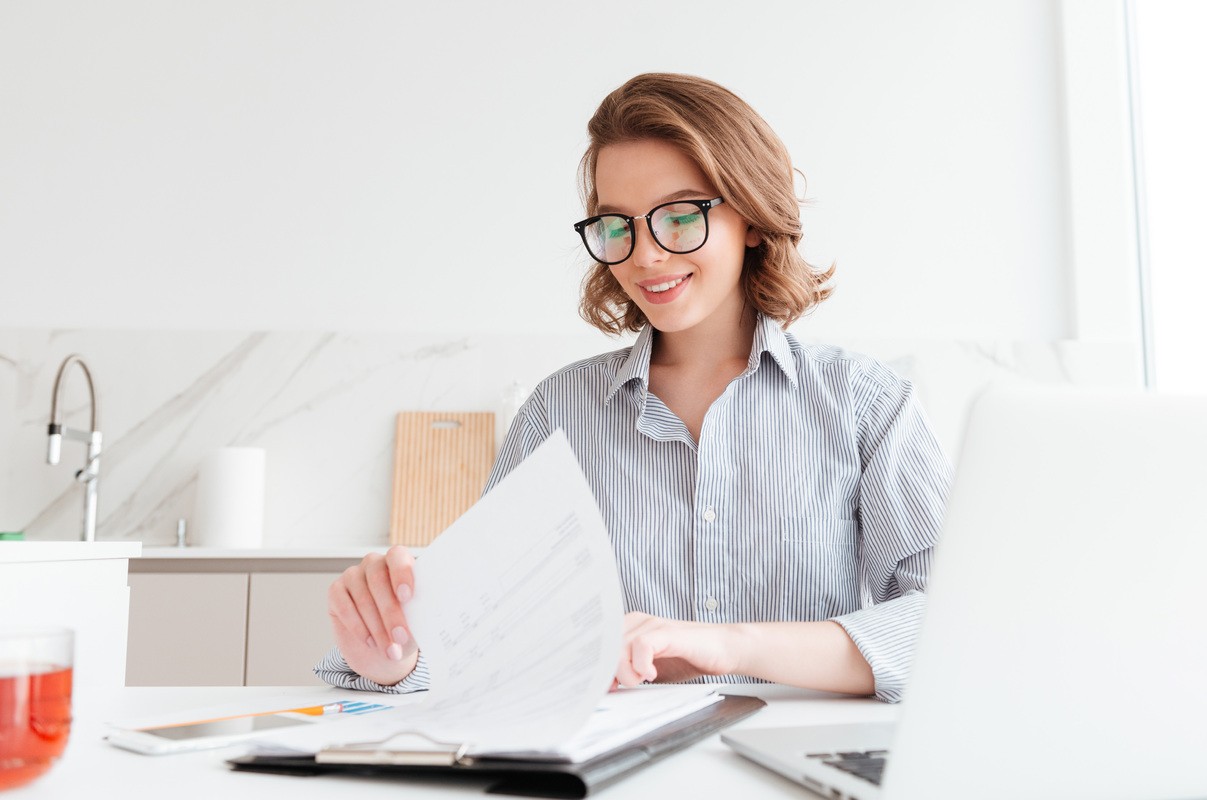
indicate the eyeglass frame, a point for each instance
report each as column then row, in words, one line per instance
column 704, row 205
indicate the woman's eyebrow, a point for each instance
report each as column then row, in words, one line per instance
column 608, row 209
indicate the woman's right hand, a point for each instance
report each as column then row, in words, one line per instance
column 366, row 606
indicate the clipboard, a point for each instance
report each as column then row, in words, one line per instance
column 515, row 776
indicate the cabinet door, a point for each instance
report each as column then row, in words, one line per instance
column 88, row 596
column 186, row 629
column 288, row 629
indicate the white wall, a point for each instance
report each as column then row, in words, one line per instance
column 318, row 165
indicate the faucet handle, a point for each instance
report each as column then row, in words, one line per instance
column 55, row 444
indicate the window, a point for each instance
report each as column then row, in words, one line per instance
column 1168, row 69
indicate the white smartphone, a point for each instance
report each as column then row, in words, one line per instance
column 165, row 739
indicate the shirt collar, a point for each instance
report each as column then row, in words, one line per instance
column 769, row 337
column 637, row 365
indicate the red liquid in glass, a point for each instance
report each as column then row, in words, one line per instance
column 35, row 718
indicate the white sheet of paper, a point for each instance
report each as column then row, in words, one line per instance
column 618, row 717
column 621, row 717
column 518, row 610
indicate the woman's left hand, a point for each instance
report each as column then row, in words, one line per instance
column 667, row 650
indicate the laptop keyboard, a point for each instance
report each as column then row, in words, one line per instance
column 865, row 764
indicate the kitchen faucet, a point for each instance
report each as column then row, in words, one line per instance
column 91, row 471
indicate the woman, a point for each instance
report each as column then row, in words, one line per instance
column 772, row 506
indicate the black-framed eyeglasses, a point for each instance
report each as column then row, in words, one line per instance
column 680, row 226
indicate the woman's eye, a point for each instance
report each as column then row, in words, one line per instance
column 683, row 219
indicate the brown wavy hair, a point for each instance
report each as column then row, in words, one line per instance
column 742, row 157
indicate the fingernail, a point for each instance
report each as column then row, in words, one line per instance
column 399, row 635
column 394, row 652
column 404, row 593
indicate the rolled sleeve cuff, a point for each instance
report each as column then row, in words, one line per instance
column 334, row 670
column 886, row 634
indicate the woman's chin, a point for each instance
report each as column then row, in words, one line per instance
column 664, row 322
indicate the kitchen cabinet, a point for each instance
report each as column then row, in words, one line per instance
column 288, row 629
column 187, row 630
column 204, row 617
column 77, row 585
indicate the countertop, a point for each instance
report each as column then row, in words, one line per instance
column 192, row 559
column 24, row 552
column 258, row 553
column 221, row 559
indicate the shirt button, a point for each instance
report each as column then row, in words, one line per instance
column 710, row 515
column 711, row 604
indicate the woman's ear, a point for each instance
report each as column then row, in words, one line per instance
column 753, row 237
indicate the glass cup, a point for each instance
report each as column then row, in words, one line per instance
column 35, row 701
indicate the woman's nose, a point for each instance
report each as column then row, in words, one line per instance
column 646, row 252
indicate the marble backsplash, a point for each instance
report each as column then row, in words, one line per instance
column 322, row 405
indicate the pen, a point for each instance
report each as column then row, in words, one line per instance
column 332, row 708
column 343, row 707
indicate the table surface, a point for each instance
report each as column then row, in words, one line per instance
column 92, row 768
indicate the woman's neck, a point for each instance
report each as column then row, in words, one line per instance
column 724, row 338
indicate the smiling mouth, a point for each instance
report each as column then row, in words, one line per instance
column 659, row 288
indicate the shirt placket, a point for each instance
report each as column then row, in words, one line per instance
column 712, row 517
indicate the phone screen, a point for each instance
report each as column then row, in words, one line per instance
column 225, row 727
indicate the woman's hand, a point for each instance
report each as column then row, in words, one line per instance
column 366, row 607
column 670, row 651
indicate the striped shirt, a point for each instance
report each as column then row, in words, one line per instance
column 816, row 491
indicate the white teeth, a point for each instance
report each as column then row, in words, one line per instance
column 662, row 287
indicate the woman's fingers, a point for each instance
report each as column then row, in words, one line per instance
column 625, row 676
column 368, row 599
column 645, row 639
column 345, row 616
column 356, row 582
column 369, row 621
column 641, row 655
column 365, row 659
column 400, row 564
column 636, row 664
column 671, row 650
column 381, row 586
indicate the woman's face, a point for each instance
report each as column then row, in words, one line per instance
column 676, row 292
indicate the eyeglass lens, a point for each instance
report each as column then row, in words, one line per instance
column 677, row 227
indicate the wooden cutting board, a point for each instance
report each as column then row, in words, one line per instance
column 441, row 463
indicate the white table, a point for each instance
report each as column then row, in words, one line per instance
column 90, row 768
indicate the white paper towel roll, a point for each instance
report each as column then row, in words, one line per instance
column 230, row 499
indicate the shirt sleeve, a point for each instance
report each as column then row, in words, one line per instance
column 902, row 499
column 335, row 670
column 528, row 430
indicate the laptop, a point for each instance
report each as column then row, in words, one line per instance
column 1064, row 650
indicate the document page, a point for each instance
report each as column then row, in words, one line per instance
column 622, row 717
column 518, row 612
